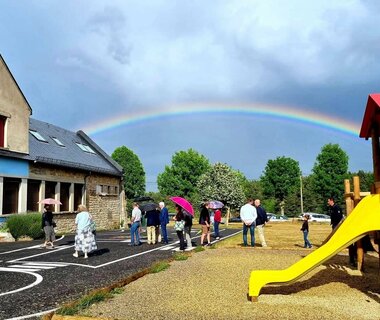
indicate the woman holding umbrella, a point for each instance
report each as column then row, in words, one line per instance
column 48, row 226
column 179, row 226
column 204, row 220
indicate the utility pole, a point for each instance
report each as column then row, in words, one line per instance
column 301, row 195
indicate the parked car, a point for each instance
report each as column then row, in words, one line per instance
column 278, row 218
column 317, row 217
column 234, row 219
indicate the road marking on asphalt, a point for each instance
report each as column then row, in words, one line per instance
column 39, row 279
column 60, row 248
column 28, row 248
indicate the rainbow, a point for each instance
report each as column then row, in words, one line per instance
column 263, row 110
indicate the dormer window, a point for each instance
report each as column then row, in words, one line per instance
column 3, row 121
column 57, row 141
column 85, row 148
column 37, row 135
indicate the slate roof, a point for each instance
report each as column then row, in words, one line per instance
column 70, row 155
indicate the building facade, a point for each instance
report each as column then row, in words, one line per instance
column 39, row 160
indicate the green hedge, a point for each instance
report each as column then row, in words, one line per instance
column 25, row 225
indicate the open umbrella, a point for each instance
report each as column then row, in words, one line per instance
column 215, row 204
column 184, row 204
column 148, row 206
column 50, row 201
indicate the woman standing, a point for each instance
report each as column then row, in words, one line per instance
column 84, row 238
column 48, row 227
column 204, row 221
column 179, row 226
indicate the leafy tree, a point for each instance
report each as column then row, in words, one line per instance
column 180, row 178
column 280, row 178
column 221, row 183
column 134, row 174
column 329, row 172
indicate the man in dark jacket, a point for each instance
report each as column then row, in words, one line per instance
column 261, row 219
column 336, row 214
column 152, row 221
column 164, row 220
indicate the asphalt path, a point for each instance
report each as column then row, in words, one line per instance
column 35, row 280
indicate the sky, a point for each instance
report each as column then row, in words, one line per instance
column 241, row 82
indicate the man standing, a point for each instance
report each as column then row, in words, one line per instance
column 262, row 218
column 248, row 215
column 135, row 220
column 336, row 214
column 164, row 220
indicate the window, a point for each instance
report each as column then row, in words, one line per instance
column 37, row 135
column 2, row 131
column 105, row 190
column 57, row 141
column 85, row 148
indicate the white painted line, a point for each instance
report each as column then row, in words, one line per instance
column 22, row 269
column 38, row 280
column 53, row 264
column 41, row 254
column 167, row 248
column 28, row 248
column 30, row 266
column 33, row 315
column 132, row 256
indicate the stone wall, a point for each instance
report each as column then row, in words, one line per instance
column 106, row 209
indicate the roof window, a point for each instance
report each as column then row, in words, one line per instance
column 37, row 135
column 85, row 148
column 57, row 141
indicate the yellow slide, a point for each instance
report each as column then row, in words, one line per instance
column 364, row 218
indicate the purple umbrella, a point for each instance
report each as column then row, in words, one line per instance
column 215, row 204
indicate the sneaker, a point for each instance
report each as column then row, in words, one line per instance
column 75, row 255
column 217, row 238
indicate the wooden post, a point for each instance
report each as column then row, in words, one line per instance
column 347, row 195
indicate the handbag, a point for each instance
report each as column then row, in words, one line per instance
column 179, row 225
column 54, row 224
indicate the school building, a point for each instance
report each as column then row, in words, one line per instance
column 39, row 160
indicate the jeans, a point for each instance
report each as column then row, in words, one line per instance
column 164, row 233
column 135, row 232
column 216, row 228
column 252, row 232
column 305, row 239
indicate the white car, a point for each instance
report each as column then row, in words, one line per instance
column 317, row 217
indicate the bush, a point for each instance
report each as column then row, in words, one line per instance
column 25, row 225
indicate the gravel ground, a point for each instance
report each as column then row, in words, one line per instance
column 213, row 285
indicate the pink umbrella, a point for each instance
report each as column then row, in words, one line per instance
column 50, row 201
column 184, row 204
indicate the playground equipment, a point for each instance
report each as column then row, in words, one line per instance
column 363, row 219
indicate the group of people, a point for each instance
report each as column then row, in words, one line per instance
column 336, row 216
column 156, row 222
column 253, row 216
column 85, row 230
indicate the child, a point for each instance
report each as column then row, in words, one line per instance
column 305, row 230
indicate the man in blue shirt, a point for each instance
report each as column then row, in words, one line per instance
column 164, row 220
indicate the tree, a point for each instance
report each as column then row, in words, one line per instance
column 280, row 178
column 180, row 178
column 221, row 183
column 329, row 172
column 134, row 174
